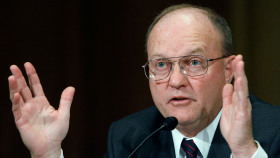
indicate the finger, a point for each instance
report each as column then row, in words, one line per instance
column 12, row 86
column 34, row 80
column 241, row 83
column 21, row 83
column 241, row 94
column 66, row 101
column 17, row 102
column 235, row 65
column 227, row 94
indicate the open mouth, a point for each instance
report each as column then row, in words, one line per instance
column 180, row 100
column 177, row 99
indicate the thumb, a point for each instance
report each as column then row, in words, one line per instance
column 66, row 100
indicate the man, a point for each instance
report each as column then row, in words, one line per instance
column 190, row 67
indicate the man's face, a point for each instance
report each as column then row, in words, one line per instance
column 194, row 101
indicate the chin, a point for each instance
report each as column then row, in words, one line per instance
column 186, row 118
column 185, row 115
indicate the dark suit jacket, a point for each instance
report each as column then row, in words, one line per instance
column 125, row 134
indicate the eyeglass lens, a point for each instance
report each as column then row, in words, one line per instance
column 159, row 69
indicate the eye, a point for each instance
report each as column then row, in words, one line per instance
column 161, row 64
column 192, row 62
column 195, row 62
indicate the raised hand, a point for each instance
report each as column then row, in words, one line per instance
column 42, row 128
column 236, row 121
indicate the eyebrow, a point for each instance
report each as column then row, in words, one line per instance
column 194, row 51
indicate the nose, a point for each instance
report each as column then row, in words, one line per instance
column 177, row 78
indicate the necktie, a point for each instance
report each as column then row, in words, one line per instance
column 190, row 148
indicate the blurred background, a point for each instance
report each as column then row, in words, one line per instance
column 98, row 47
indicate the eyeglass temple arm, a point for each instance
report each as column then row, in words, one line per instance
column 224, row 56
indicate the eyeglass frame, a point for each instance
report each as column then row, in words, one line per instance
column 181, row 57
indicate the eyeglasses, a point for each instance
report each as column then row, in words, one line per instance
column 191, row 65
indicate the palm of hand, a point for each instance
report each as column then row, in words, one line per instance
column 39, row 125
column 42, row 128
column 236, row 122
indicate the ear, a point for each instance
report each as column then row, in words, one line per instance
column 229, row 68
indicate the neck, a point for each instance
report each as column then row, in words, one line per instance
column 191, row 130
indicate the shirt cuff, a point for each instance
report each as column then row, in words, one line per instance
column 61, row 155
column 260, row 153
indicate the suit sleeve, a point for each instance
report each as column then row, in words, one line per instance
column 110, row 148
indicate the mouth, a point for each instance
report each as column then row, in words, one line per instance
column 176, row 99
column 180, row 100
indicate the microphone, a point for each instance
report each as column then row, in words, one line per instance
column 169, row 123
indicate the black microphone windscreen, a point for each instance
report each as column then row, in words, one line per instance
column 170, row 123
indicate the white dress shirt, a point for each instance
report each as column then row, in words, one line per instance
column 203, row 141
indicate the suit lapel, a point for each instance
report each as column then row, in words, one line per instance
column 160, row 145
column 219, row 147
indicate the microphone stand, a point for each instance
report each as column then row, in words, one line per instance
column 169, row 124
column 144, row 141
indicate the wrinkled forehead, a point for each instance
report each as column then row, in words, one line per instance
column 183, row 25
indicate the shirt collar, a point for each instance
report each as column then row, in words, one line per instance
column 202, row 140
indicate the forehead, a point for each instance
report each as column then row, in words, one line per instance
column 188, row 29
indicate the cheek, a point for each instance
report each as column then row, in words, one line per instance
column 159, row 96
column 211, row 90
column 157, row 91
